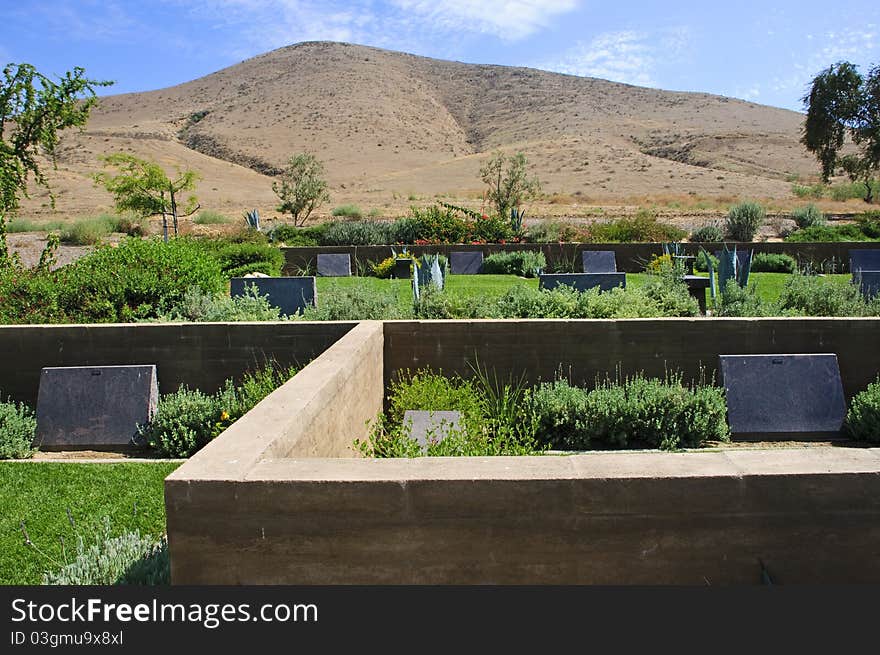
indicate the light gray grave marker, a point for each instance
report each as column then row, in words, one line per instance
column 582, row 281
column 289, row 294
column 425, row 426
column 468, row 262
column 334, row 265
column 94, row 406
column 783, row 396
column 599, row 261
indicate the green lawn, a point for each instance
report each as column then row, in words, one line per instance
column 39, row 494
column 769, row 285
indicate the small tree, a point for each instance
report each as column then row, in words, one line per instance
column 301, row 187
column 842, row 103
column 144, row 187
column 33, row 109
column 508, row 181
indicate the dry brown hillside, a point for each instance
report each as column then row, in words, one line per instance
column 392, row 128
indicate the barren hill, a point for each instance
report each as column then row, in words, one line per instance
column 391, row 126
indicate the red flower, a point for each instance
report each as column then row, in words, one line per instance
column 484, row 216
column 502, row 241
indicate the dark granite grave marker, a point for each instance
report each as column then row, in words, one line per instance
column 403, row 268
column 582, row 281
column 334, row 265
column 465, row 262
column 94, row 406
column 869, row 283
column 783, row 396
column 599, row 261
column 289, row 294
column 866, row 259
column 425, row 426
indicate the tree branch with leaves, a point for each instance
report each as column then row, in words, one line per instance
column 842, row 104
column 144, row 187
column 508, row 181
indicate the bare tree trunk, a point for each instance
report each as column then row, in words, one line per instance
column 174, row 212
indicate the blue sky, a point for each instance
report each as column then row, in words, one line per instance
column 760, row 51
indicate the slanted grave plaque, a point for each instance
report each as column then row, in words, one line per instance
column 334, row 265
column 869, row 283
column 403, row 268
column 94, row 406
column 582, row 281
column 289, row 294
column 864, row 259
column 783, row 397
column 465, row 262
column 599, row 261
column 426, row 426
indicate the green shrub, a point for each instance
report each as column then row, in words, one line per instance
column 17, row 427
column 735, row 300
column 485, row 430
column 525, row 263
column 187, row 420
column 200, row 306
column 236, row 400
column 643, row 227
column 129, row 559
column 655, row 298
column 863, row 418
column 700, row 262
column 808, row 216
column 184, row 422
column 707, row 234
column 294, row 236
column 208, row 217
column 437, row 305
column 655, row 413
column 552, row 231
column 355, row 233
column 561, row 413
column 744, row 220
column 448, row 224
column 353, row 304
column 239, row 259
column 19, row 224
column 764, row 262
column 351, row 211
column 136, row 280
column 87, row 231
column 827, row 233
column 808, row 295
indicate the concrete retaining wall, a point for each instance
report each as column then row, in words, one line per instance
column 200, row 355
column 811, row 516
column 589, row 348
column 277, row 498
column 631, row 257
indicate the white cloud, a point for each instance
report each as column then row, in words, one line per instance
column 401, row 24
column 625, row 56
column 508, row 19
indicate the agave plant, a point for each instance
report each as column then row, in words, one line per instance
column 253, row 219
column 516, row 220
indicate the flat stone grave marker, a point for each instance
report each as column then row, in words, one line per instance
column 582, row 281
column 94, row 406
column 864, row 259
column 465, row 262
column 869, row 283
column 779, row 397
column 599, row 261
column 425, row 426
column 403, row 268
column 334, row 265
column 290, row 294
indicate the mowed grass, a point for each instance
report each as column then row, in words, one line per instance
column 769, row 286
column 40, row 494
